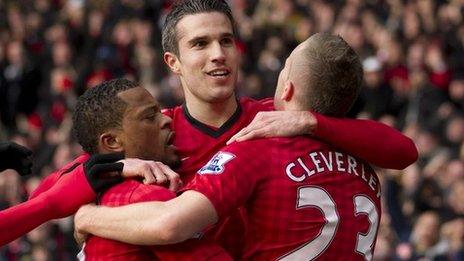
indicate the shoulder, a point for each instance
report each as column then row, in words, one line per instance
column 81, row 158
column 73, row 164
column 249, row 146
column 266, row 104
column 266, row 148
column 240, row 152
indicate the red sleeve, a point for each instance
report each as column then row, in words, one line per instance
column 228, row 179
column 22, row 218
column 45, row 184
column 371, row 141
column 63, row 199
column 51, row 179
column 193, row 249
column 70, row 192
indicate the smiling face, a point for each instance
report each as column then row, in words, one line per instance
column 207, row 62
column 145, row 131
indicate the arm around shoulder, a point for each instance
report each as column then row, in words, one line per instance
column 149, row 223
column 369, row 140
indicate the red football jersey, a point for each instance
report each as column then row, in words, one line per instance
column 305, row 199
column 131, row 191
column 197, row 142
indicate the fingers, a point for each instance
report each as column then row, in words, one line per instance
column 158, row 173
column 174, row 179
column 237, row 135
column 152, row 172
column 79, row 238
column 147, row 171
column 137, row 168
column 256, row 129
column 80, row 219
column 164, row 174
column 254, row 134
column 250, row 132
column 277, row 124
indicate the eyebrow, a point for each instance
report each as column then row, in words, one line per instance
column 205, row 38
column 146, row 109
column 197, row 39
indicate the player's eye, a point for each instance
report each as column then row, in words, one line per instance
column 151, row 117
column 200, row 44
column 228, row 41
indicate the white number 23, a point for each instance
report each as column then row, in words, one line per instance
column 317, row 197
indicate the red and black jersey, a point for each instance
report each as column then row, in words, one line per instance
column 197, row 142
column 304, row 199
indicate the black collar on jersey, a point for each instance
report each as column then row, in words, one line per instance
column 206, row 129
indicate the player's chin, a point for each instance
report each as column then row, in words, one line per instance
column 221, row 93
column 172, row 159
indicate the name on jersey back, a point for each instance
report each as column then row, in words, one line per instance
column 328, row 162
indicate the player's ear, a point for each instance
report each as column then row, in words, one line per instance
column 110, row 141
column 289, row 90
column 172, row 61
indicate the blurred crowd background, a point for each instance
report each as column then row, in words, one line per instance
column 51, row 51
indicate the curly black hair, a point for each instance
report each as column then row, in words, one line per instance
column 98, row 110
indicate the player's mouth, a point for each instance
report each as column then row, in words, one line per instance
column 219, row 73
column 170, row 139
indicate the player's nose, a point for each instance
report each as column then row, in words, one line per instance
column 166, row 121
column 218, row 54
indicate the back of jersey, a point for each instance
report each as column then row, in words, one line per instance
column 316, row 202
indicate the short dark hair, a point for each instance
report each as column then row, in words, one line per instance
column 335, row 75
column 98, row 110
column 189, row 7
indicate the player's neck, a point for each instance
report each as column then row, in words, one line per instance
column 212, row 114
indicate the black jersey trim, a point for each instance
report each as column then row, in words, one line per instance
column 70, row 169
column 206, row 129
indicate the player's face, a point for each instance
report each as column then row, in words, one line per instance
column 208, row 59
column 146, row 132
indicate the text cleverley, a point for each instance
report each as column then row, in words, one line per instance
column 330, row 162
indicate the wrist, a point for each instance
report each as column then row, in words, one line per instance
column 103, row 170
column 311, row 122
column 83, row 219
